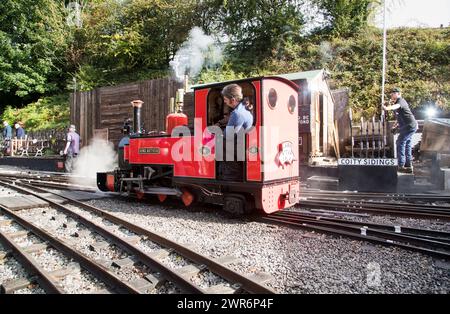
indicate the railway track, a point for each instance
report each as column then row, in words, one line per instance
column 436, row 243
column 339, row 195
column 46, row 280
column 378, row 208
column 49, row 180
column 430, row 242
column 101, row 223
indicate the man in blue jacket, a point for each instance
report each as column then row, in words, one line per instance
column 7, row 130
column 241, row 120
column 20, row 132
column 7, row 135
column 240, row 117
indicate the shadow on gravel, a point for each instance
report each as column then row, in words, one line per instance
column 171, row 208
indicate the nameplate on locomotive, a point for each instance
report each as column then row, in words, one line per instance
column 380, row 162
column 149, row 150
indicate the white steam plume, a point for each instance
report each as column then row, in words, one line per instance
column 194, row 53
column 99, row 156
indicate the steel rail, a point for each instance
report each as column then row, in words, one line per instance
column 39, row 274
column 146, row 259
column 389, row 235
column 55, row 185
column 97, row 270
column 374, row 209
column 352, row 232
column 426, row 233
column 436, row 208
column 245, row 283
column 359, row 195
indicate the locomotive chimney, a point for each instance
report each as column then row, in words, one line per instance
column 137, row 105
column 179, row 100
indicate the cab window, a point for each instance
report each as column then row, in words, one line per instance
column 218, row 113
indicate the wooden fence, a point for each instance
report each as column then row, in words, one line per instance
column 102, row 111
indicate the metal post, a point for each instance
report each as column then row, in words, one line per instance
column 373, row 137
column 367, row 139
column 351, row 130
column 383, row 80
column 380, row 138
column 383, row 119
column 361, row 142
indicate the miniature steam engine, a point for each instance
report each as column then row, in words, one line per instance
column 192, row 163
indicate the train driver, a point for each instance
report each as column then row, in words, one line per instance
column 240, row 117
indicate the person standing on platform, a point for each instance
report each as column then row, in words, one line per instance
column 7, row 130
column 72, row 148
column 20, row 132
column 7, row 135
column 407, row 125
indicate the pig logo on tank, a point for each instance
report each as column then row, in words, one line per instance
column 285, row 154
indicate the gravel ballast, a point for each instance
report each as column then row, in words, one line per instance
column 299, row 261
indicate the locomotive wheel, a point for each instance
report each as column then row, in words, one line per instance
column 187, row 197
column 235, row 205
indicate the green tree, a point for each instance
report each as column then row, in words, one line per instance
column 346, row 17
column 260, row 28
column 130, row 40
column 32, row 48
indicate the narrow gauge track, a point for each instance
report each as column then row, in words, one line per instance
column 49, row 181
column 59, row 186
column 238, row 283
column 43, row 176
column 36, row 272
column 46, row 280
column 411, row 210
column 436, row 243
column 372, row 195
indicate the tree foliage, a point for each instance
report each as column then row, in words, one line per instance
column 125, row 39
column 32, row 47
column 256, row 28
column 46, row 113
column 346, row 17
column 418, row 61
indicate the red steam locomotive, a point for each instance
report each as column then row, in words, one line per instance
column 190, row 164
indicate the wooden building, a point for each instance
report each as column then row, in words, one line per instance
column 317, row 131
column 102, row 111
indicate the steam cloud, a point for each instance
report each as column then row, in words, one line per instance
column 99, row 156
column 198, row 49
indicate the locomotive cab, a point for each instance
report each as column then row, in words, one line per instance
column 193, row 165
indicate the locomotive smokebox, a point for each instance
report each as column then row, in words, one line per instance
column 137, row 106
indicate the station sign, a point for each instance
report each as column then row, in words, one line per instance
column 381, row 162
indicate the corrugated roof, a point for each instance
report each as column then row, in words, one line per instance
column 306, row 75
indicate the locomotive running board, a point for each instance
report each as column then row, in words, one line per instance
column 154, row 190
